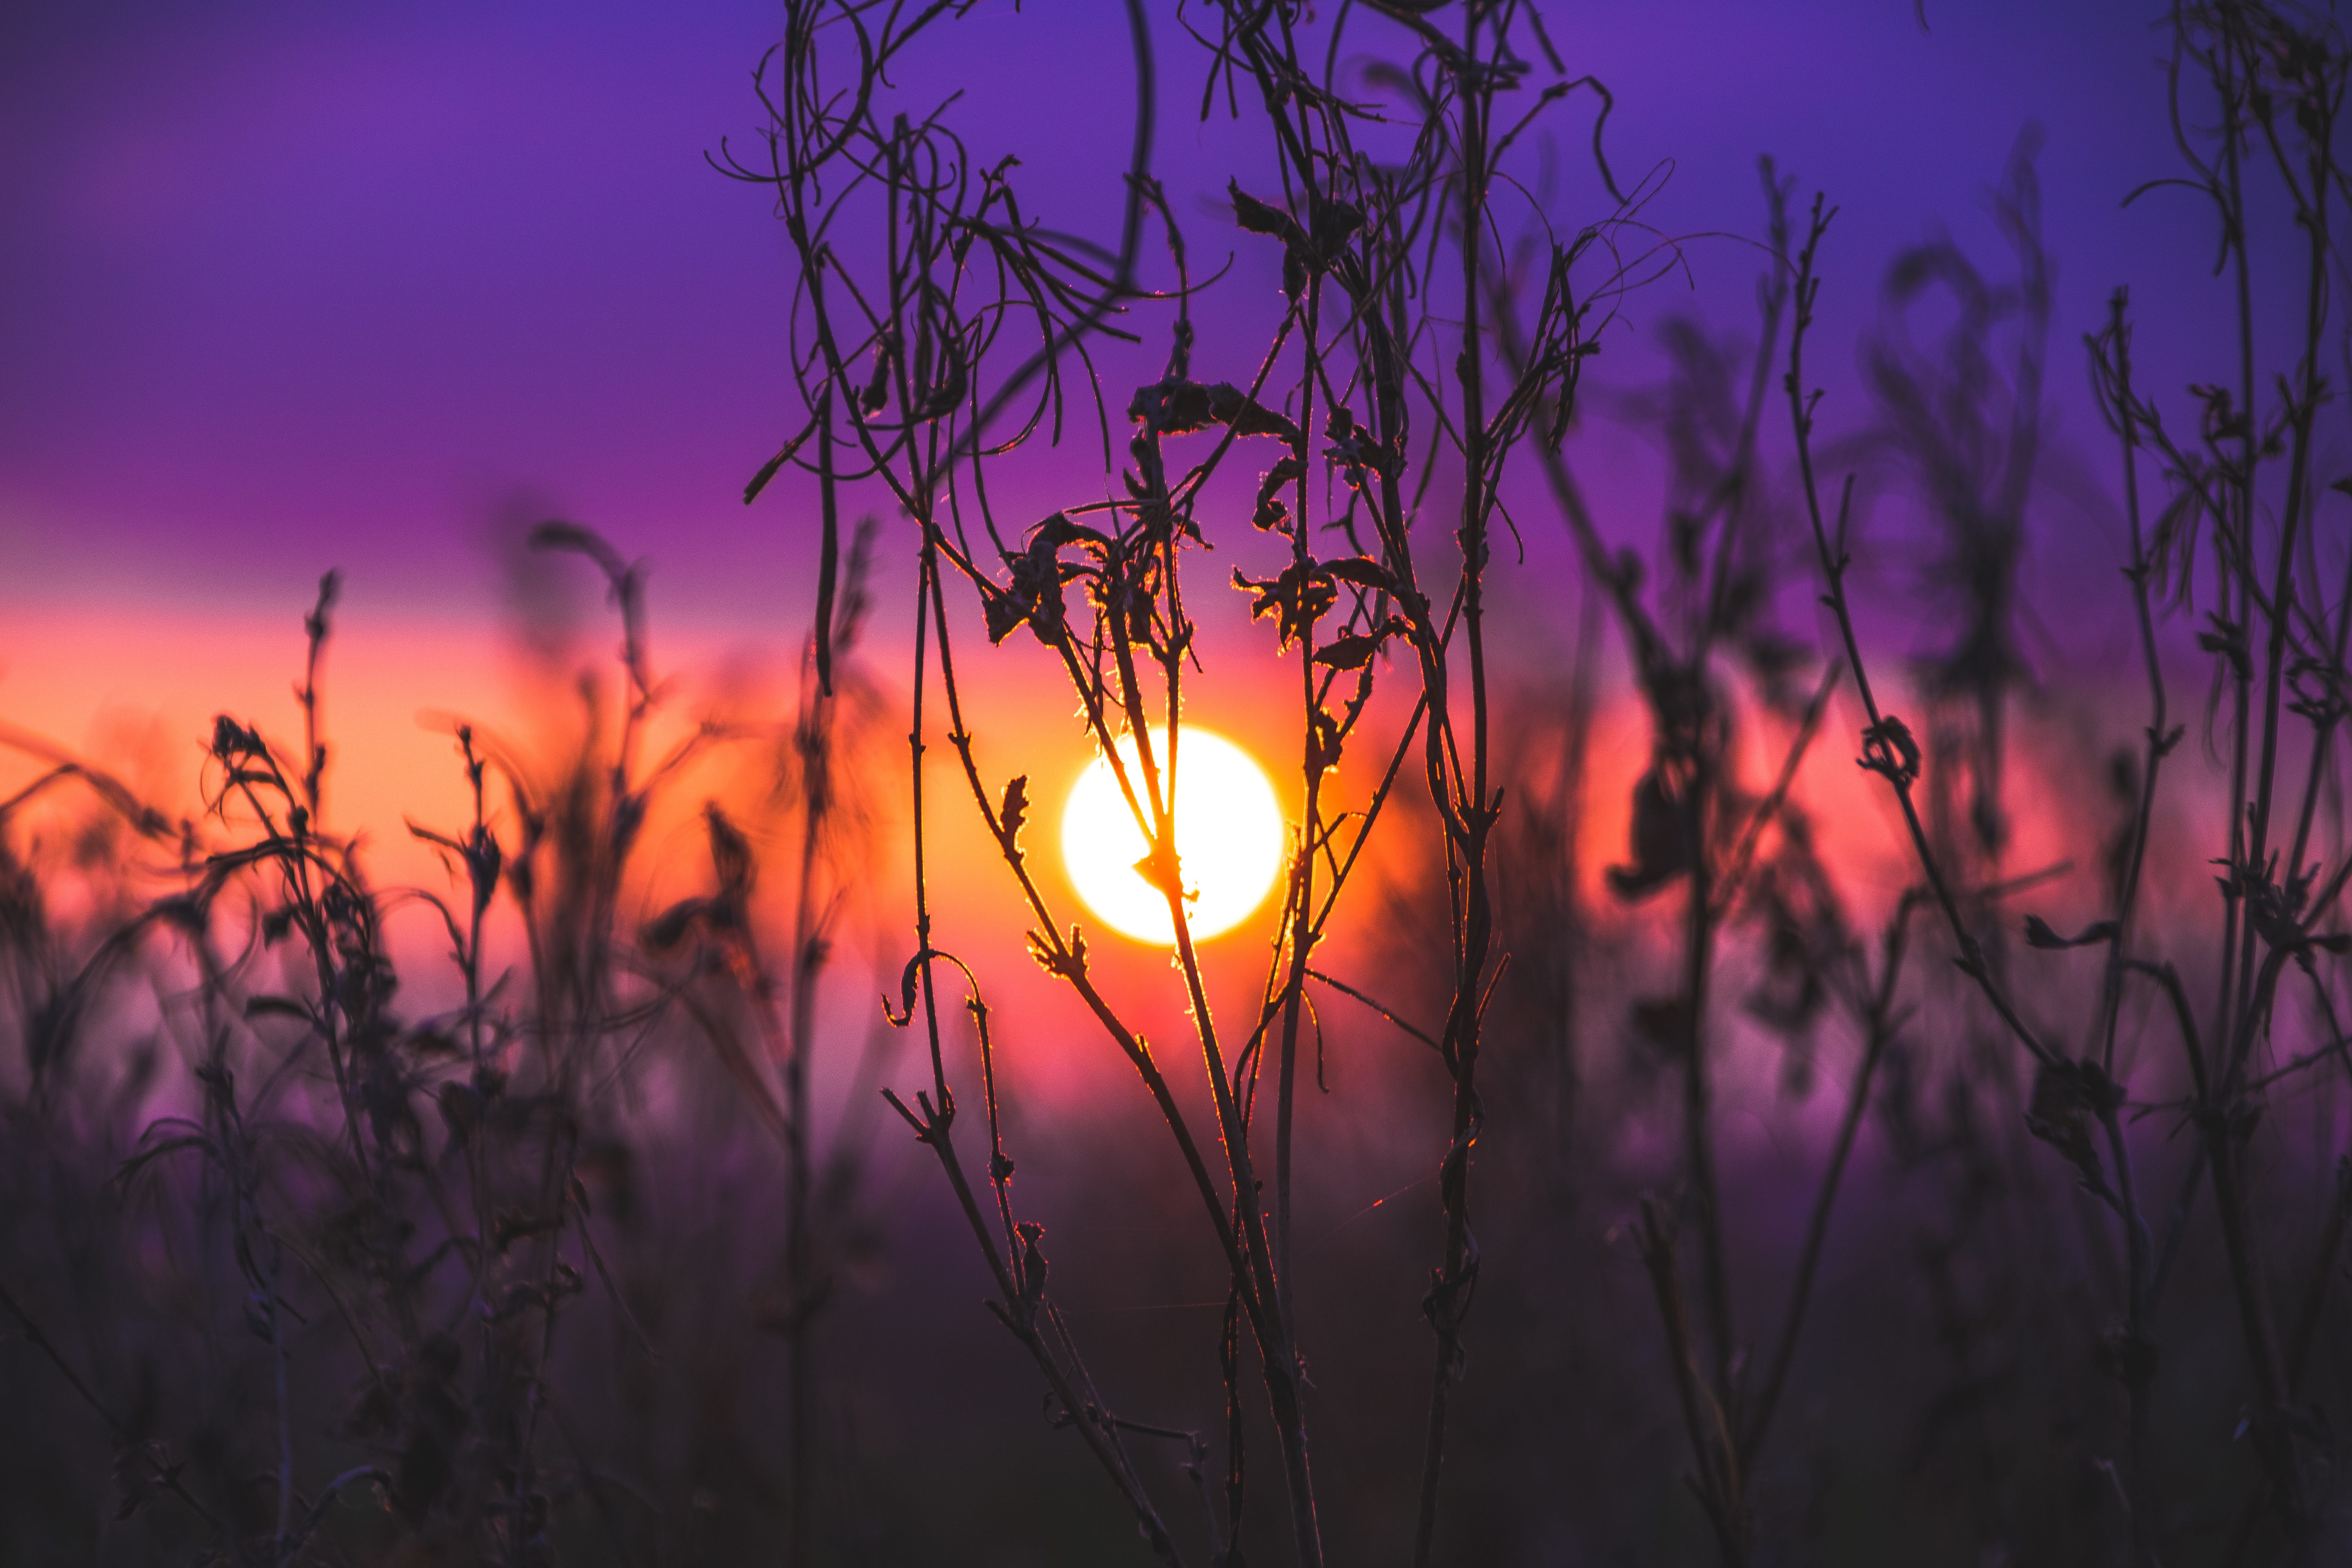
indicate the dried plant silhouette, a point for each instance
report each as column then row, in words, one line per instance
column 298, row 1272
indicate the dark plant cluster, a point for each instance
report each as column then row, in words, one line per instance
column 398, row 1212
column 557, row 1272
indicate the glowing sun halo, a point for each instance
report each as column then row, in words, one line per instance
column 1229, row 838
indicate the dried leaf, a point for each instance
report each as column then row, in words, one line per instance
column 1351, row 652
column 1889, row 750
column 1299, row 595
column 1363, row 571
column 1660, row 844
column 2038, row 934
column 1015, row 808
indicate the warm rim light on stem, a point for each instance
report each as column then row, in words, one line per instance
column 1230, row 839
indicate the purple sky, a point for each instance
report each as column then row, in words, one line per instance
column 285, row 287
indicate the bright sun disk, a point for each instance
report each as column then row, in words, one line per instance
column 1229, row 838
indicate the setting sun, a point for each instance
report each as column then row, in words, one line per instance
column 1229, row 838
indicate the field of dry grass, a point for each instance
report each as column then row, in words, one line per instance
column 1744, row 1060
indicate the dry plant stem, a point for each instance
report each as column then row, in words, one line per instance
column 814, row 747
column 2323, row 740
column 829, row 544
column 2136, row 1354
column 2112, row 378
column 1021, row 1320
column 1302, row 876
column 1278, row 1350
column 1152, row 806
column 1880, row 753
column 1017, row 1310
column 2303, row 402
column 808, row 959
column 1322, row 836
column 1570, row 817
column 569, row 1038
column 1264, row 1297
column 1751, row 833
column 1712, row 888
column 554, row 1195
column 314, row 749
column 2237, row 556
column 801, row 151
column 911, row 489
column 298, row 850
column 2274, row 664
column 232, row 1147
column 1122, row 275
column 1883, row 756
column 298, row 854
column 2176, row 1226
column 169, row 1475
column 1743, row 1434
column 2235, row 63
column 366, row 1194
column 1718, row 1483
column 1070, row 962
column 1470, row 815
column 1881, row 1023
column 2221, row 1146
column 2111, row 360
column 2307, row 1333
column 1698, row 1109
column 2275, row 1439
column 1062, row 959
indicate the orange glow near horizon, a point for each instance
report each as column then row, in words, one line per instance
column 1229, row 838
column 132, row 690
